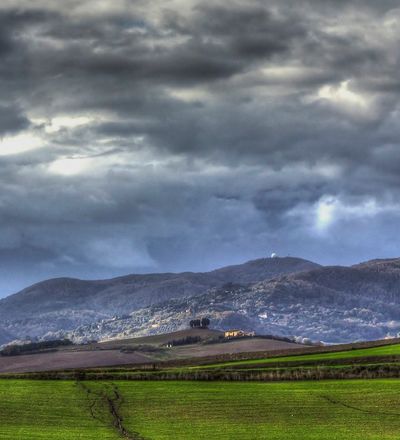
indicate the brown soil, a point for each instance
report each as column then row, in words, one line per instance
column 107, row 357
column 233, row 346
column 161, row 339
column 61, row 360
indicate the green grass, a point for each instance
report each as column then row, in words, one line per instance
column 357, row 410
column 33, row 410
column 387, row 350
column 172, row 410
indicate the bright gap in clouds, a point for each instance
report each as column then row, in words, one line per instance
column 69, row 166
column 325, row 214
column 342, row 96
column 20, row 143
column 331, row 209
column 60, row 122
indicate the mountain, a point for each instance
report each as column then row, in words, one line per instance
column 64, row 303
column 333, row 304
column 4, row 336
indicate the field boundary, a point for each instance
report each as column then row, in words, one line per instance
column 378, row 371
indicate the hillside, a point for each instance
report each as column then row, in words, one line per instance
column 4, row 336
column 141, row 350
column 65, row 303
column 281, row 296
column 333, row 304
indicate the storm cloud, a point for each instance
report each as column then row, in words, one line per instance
column 181, row 135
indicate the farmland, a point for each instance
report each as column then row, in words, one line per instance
column 366, row 360
column 47, row 410
column 237, row 398
column 345, row 356
column 160, row 410
column 138, row 351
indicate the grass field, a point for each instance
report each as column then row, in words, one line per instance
column 387, row 350
column 33, row 410
column 357, row 410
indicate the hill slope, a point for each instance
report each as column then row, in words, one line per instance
column 333, row 304
column 65, row 303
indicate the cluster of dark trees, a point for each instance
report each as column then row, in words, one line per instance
column 14, row 350
column 184, row 341
column 200, row 323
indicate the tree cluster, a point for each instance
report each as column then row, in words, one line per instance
column 200, row 323
column 14, row 350
column 184, row 341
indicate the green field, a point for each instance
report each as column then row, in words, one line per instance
column 47, row 410
column 160, row 410
column 386, row 350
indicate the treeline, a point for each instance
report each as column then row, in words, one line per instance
column 32, row 347
column 351, row 372
column 184, row 341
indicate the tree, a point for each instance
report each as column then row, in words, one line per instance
column 205, row 322
column 199, row 323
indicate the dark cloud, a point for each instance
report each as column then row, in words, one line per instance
column 151, row 136
column 12, row 120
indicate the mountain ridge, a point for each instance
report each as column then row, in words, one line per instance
column 64, row 303
column 333, row 303
column 283, row 296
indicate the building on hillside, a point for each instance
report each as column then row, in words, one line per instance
column 237, row 334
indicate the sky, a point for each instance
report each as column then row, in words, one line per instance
column 172, row 135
